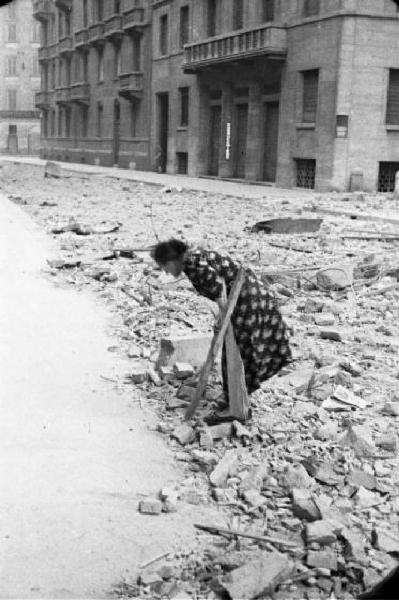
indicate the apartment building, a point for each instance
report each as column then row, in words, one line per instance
column 95, row 62
column 296, row 93
column 20, row 79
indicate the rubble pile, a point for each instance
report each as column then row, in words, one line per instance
column 307, row 491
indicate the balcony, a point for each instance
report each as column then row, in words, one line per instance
column 64, row 5
column 134, row 19
column 65, row 45
column 82, row 39
column 41, row 10
column 43, row 100
column 62, row 95
column 113, row 28
column 80, row 93
column 44, row 53
column 242, row 45
column 96, row 34
column 131, row 85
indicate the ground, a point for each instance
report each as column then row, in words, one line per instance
column 302, row 436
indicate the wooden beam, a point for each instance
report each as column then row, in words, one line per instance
column 216, row 343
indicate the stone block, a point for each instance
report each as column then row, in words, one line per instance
column 189, row 349
column 150, row 507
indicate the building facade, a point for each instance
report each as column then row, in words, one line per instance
column 297, row 93
column 20, row 79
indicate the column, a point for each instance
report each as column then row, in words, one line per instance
column 255, row 134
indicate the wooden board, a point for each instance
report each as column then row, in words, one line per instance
column 216, row 343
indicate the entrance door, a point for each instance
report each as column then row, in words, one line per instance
column 214, row 139
column 163, row 132
column 271, row 141
column 241, row 140
column 117, row 123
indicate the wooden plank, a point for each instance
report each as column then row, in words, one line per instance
column 216, row 343
column 238, row 395
column 355, row 215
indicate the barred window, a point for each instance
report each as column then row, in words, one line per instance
column 392, row 117
column 310, row 95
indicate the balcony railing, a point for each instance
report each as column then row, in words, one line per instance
column 113, row 27
column 96, row 33
column 82, row 38
column 62, row 95
column 20, row 114
column 44, row 53
column 134, row 19
column 43, row 99
column 131, row 85
column 41, row 9
column 80, row 92
column 266, row 40
column 63, row 4
column 65, row 45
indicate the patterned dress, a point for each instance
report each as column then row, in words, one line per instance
column 258, row 326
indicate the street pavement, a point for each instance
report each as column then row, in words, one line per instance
column 75, row 455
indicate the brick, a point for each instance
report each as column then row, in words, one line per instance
column 150, row 507
column 183, row 370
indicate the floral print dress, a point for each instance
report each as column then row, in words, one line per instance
column 259, row 329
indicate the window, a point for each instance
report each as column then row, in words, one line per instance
column 35, row 67
column 133, row 119
column 12, row 13
column 68, row 71
column 163, row 35
column 267, row 10
column 311, row 8
column 12, row 129
column 184, row 25
column 68, row 122
column 11, row 66
column 12, row 32
column 85, row 13
column 117, row 61
column 85, row 65
column 238, row 14
column 212, row 17
column 117, row 6
column 100, row 64
column 44, row 124
column 36, row 32
column 184, row 94
column 67, row 21
column 85, row 121
column 60, row 25
column 136, row 49
column 305, row 173
column 387, row 176
column 310, row 95
column 99, row 119
column 12, row 99
column 99, row 10
column 392, row 117
column 52, row 123
column 182, row 163
column 60, row 122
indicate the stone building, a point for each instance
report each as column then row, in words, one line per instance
column 288, row 92
column 19, row 79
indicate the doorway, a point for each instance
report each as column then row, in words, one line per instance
column 271, row 141
column 241, row 140
column 163, row 132
column 117, row 124
column 12, row 143
column 214, row 139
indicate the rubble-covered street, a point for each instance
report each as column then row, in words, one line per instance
column 306, row 492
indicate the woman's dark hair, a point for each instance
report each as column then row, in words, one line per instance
column 170, row 250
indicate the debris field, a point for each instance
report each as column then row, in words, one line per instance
column 307, row 490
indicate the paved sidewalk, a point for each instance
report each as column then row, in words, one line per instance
column 199, row 184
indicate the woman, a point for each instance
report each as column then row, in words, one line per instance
column 258, row 327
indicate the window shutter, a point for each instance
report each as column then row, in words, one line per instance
column 393, row 98
column 310, row 95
